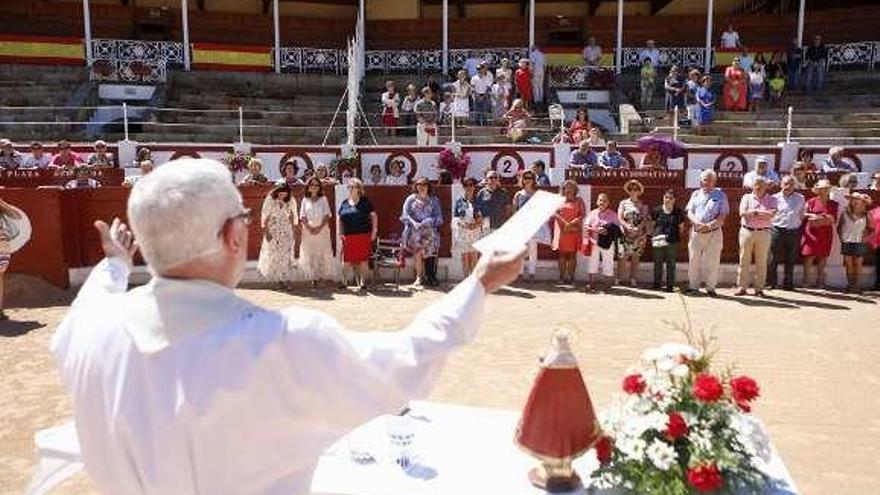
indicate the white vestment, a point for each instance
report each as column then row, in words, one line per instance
column 182, row 387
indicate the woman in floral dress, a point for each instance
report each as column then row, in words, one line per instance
column 635, row 220
column 279, row 220
column 421, row 218
column 467, row 226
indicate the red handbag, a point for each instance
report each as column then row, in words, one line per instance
column 587, row 246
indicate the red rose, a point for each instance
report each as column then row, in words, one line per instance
column 707, row 388
column 705, row 478
column 676, row 427
column 604, row 448
column 634, row 384
column 745, row 389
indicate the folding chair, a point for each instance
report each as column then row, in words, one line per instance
column 388, row 254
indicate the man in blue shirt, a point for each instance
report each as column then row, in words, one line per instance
column 539, row 168
column 785, row 235
column 611, row 158
column 835, row 161
column 583, row 157
column 707, row 210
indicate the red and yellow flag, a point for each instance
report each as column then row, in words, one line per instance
column 231, row 57
column 20, row 49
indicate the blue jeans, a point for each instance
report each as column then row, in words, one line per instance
column 814, row 76
column 482, row 109
column 793, row 75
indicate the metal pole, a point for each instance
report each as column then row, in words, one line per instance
column 184, row 16
column 675, row 124
column 87, row 24
column 362, row 20
column 240, row 125
column 788, row 130
column 453, row 128
column 619, row 56
column 277, row 25
column 709, row 18
column 125, row 119
column 801, row 14
column 531, row 24
column 445, row 37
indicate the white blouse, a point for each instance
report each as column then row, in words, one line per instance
column 314, row 212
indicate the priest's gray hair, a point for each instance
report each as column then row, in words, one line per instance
column 178, row 211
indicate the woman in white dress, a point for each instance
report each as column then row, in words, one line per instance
column 277, row 262
column 315, row 249
column 461, row 103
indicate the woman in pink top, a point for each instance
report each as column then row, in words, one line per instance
column 601, row 230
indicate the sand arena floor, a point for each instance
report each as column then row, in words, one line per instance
column 814, row 354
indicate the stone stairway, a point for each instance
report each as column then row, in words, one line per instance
column 24, row 86
column 845, row 112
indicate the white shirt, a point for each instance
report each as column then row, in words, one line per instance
column 729, row 39
column 313, row 212
column 593, row 55
column 32, row 162
column 400, row 180
column 749, row 179
column 182, row 387
column 482, row 84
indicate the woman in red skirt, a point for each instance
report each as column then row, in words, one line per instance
column 358, row 223
column 821, row 215
column 390, row 108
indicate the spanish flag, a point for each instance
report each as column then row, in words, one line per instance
column 19, row 49
column 231, row 57
column 571, row 56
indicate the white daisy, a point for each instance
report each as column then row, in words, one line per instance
column 661, row 454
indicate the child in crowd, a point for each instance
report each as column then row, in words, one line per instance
column 390, row 108
column 777, row 87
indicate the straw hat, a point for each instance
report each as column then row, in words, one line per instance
column 633, row 182
column 20, row 230
column 821, row 184
column 859, row 196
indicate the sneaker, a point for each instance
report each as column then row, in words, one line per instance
column 690, row 291
column 3, row 316
column 669, row 289
column 711, row 293
column 759, row 293
column 740, row 292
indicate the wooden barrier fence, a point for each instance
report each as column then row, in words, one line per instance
column 64, row 237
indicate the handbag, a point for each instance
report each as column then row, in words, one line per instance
column 587, row 246
column 659, row 241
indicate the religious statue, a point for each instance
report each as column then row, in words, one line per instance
column 558, row 422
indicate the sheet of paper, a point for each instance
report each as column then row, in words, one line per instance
column 517, row 231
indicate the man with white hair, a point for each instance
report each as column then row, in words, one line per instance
column 835, row 161
column 707, row 209
column 762, row 169
column 756, row 212
column 182, row 387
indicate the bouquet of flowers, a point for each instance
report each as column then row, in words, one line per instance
column 237, row 162
column 347, row 161
column 454, row 160
column 682, row 428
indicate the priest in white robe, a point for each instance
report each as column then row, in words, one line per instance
column 182, row 387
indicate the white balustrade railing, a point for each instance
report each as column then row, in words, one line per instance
column 161, row 55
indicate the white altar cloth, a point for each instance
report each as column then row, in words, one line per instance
column 458, row 450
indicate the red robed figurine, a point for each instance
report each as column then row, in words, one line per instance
column 558, row 423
